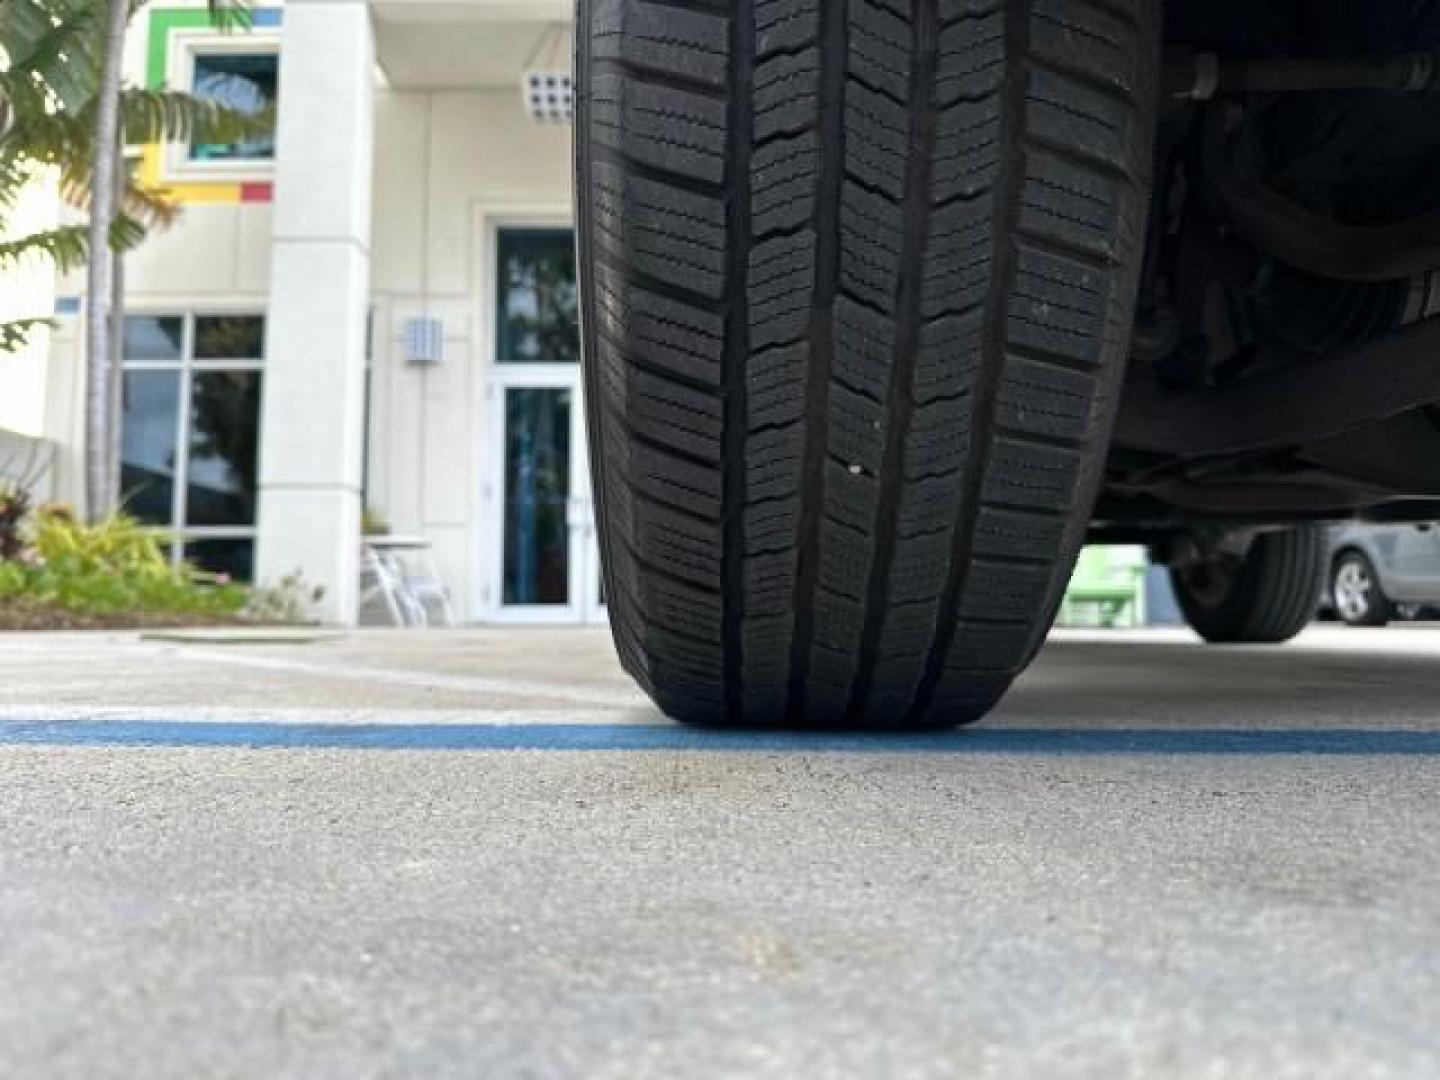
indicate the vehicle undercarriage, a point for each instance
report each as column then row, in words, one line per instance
column 1286, row 359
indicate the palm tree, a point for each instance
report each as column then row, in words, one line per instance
column 101, row 353
column 47, row 56
column 72, row 112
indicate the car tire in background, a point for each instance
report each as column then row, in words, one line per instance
column 1263, row 597
column 857, row 287
column 1356, row 593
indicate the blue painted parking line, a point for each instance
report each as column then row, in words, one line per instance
column 663, row 737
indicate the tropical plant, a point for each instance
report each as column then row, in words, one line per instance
column 69, row 112
column 119, row 545
column 46, row 66
column 115, row 570
column 62, row 572
column 14, row 507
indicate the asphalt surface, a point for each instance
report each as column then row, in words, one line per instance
column 480, row 854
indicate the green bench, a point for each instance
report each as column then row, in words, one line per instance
column 1109, row 587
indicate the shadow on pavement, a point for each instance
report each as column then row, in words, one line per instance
column 1190, row 688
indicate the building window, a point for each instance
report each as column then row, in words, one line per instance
column 538, row 312
column 246, row 82
column 190, row 433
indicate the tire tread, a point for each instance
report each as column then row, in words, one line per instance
column 873, row 261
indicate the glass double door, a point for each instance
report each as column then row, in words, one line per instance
column 548, row 557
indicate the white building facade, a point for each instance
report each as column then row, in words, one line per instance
column 374, row 312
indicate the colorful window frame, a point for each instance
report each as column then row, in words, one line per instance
column 154, row 165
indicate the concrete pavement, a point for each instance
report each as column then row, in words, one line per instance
column 481, row 854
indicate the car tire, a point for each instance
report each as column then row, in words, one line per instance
column 857, row 290
column 1356, row 593
column 1264, row 597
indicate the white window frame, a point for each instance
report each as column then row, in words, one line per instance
column 183, row 47
column 178, row 531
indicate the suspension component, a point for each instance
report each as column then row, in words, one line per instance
column 1192, row 76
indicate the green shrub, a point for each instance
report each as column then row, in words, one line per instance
column 114, row 568
column 120, row 545
column 14, row 509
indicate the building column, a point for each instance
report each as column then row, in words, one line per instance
column 312, row 422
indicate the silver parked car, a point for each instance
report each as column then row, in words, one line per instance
column 1383, row 572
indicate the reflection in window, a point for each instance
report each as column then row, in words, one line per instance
column 537, row 496
column 245, row 82
column 190, row 433
column 538, row 313
column 224, row 448
column 229, row 337
column 154, row 337
column 150, row 404
column 232, row 556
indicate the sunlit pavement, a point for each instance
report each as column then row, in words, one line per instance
column 482, row 854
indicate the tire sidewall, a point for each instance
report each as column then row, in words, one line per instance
column 1215, row 622
column 1246, row 612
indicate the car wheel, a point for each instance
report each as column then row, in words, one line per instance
column 1264, row 596
column 1356, row 592
column 857, row 284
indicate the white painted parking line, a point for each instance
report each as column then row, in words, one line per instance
column 311, row 717
column 558, row 691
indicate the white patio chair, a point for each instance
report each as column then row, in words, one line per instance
column 384, row 580
column 412, row 575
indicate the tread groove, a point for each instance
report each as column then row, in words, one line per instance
column 830, row 181
column 993, row 357
column 735, row 362
column 909, row 297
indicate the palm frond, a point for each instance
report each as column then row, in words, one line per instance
column 14, row 333
column 53, row 57
column 65, row 247
column 49, row 74
column 126, row 233
column 228, row 15
column 16, row 175
column 56, row 138
column 151, row 207
column 54, row 54
column 149, row 116
column 26, row 24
